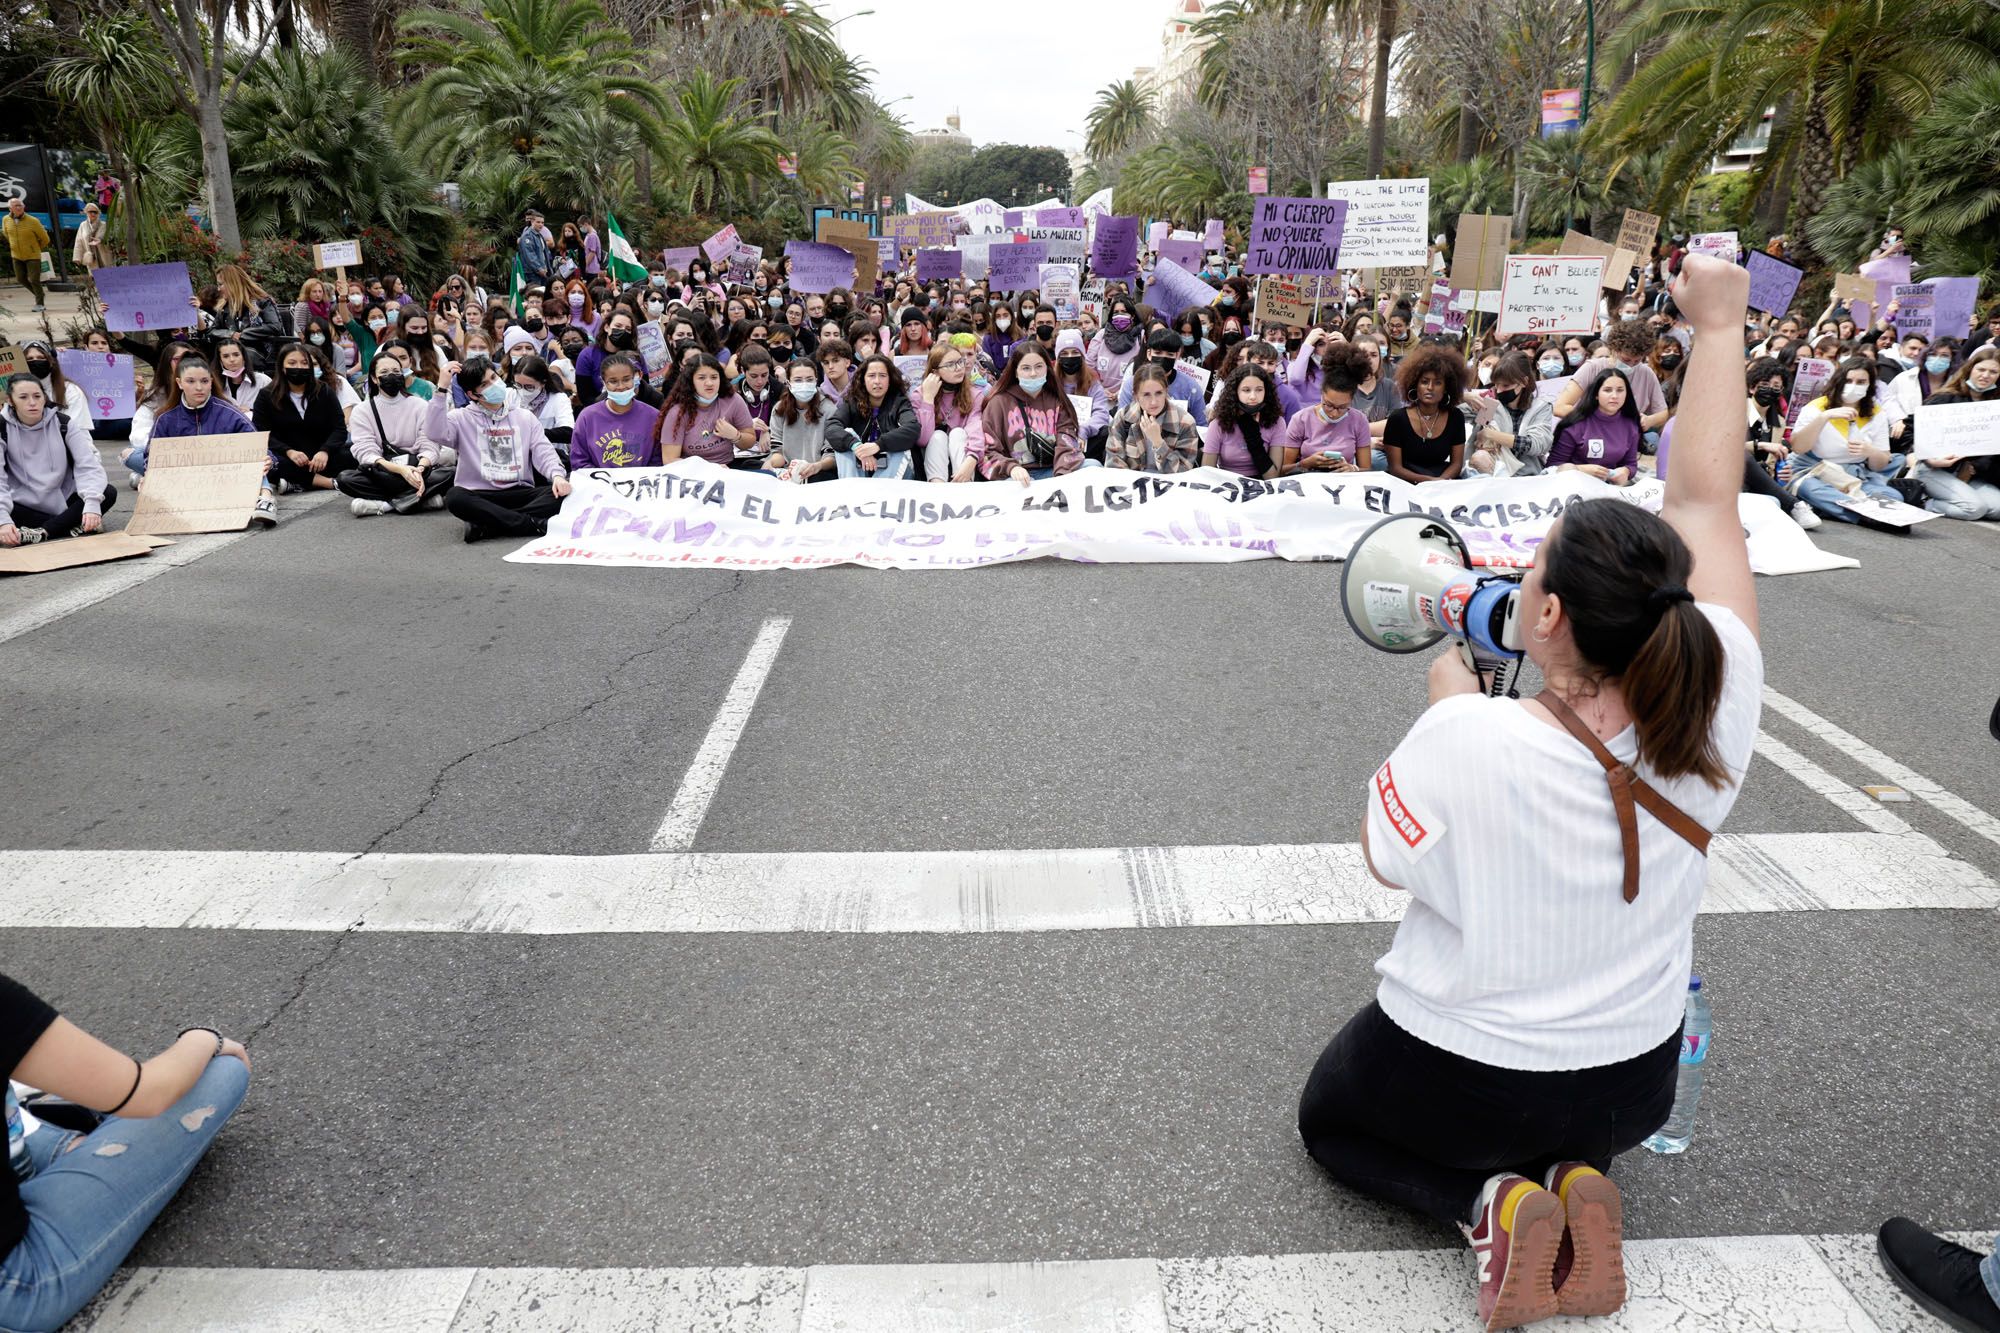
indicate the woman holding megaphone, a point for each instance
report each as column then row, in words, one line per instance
column 1526, row 1028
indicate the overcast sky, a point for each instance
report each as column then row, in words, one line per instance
column 1023, row 72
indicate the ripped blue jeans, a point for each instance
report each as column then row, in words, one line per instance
column 92, row 1196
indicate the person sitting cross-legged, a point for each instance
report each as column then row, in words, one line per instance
column 51, row 481
column 500, row 450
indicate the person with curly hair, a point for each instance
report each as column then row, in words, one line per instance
column 1247, row 432
column 1426, row 441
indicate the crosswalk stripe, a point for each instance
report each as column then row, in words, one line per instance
column 1743, row 1284
column 947, row 892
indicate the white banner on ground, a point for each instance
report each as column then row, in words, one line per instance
column 693, row 513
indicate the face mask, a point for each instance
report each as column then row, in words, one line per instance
column 392, row 314
column 706, row 399
column 1551, row 369
column 317, row 339
column 357, row 301
column 1031, row 387
column 682, row 347
column 804, row 392
column 494, row 393
column 532, row 325
column 1001, row 322
column 774, row 301
column 38, row 368
column 389, row 385
column 622, row 339
column 1294, row 344
column 1669, row 362
column 1046, row 332
column 1121, row 322
column 576, row 300
column 1187, row 340
column 1767, row 396
column 1485, row 375
column 621, row 397
column 298, row 374
column 1574, row 358
column 1070, row 365
column 1226, row 299
column 1937, row 365
column 1853, row 393
column 377, row 325
column 1163, row 362
column 781, row 350
column 656, row 308
column 572, row 350
column 1230, row 337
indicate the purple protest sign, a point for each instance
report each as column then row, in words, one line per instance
column 1157, row 233
column 1951, row 315
column 104, row 377
column 887, row 256
column 1888, row 272
column 940, row 265
column 1185, row 253
column 679, row 258
column 819, row 268
column 1211, row 235
column 1772, row 282
column 1016, row 266
column 1174, row 289
column 1014, row 217
column 1114, row 251
column 146, row 296
column 1295, row 236
column 1059, row 217
column 719, row 246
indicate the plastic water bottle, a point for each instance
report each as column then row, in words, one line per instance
column 1697, row 1029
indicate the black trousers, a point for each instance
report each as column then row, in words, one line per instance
column 64, row 523
column 1756, row 481
column 1399, row 1119
column 374, row 483
column 516, row 511
column 338, row 460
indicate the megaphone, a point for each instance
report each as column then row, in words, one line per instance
column 1409, row 582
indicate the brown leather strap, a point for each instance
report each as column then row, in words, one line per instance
column 1626, row 788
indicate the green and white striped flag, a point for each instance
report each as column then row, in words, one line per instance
column 517, row 284
column 625, row 265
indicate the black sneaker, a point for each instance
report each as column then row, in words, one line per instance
column 474, row 533
column 1938, row 1275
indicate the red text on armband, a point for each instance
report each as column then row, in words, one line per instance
column 1399, row 814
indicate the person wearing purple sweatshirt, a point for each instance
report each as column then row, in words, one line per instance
column 1601, row 434
column 51, row 482
column 193, row 407
column 500, row 449
column 617, row 430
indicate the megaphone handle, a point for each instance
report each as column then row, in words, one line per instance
column 1499, row 675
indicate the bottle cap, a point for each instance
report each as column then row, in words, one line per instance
column 1694, row 983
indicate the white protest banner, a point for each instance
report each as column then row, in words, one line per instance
column 1550, row 294
column 1388, row 222
column 1062, row 242
column 1957, row 430
column 694, row 514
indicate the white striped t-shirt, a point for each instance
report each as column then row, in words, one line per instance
column 1518, row 948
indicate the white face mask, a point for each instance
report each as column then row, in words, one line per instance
column 1853, row 393
column 1485, row 375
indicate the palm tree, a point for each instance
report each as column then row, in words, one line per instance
column 116, row 78
column 1221, row 22
column 706, row 151
column 1122, row 116
column 1856, row 73
column 505, row 74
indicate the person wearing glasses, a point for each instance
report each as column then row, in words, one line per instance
column 949, row 431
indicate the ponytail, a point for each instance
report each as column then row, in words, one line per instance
column 1621, row 574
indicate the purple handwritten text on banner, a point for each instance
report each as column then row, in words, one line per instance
column 1114, row 252
column 1015, row 267
column 819, row 268
column 939, row 265
column 146, row 296
column 104, row 377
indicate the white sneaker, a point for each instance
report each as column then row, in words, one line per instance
column 265, row 514
column 1803, row 515
column 29, row 536
column 369, row 508
column 137, row 479
column 433, row 500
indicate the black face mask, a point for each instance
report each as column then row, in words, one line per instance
column 532, row 325
column 573, row 349
column 1669, row 362
column 1070, row 365
column 298, row 374
column 682, row 347
column 1163, row 362
column 623, row 339
column 38, row 368
column 781, row 350
column 389, row 385
column 836, row 312
column 1046, row 332
column 1230, row 337
column 1767, row 396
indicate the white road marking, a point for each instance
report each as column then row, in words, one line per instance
column 1106, row 888
column 1843, row 795
column 704, row 776
column 1919, row 786
column 1741, row 1284
column 113, row 579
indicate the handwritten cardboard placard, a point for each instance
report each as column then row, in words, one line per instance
column 679, row 257
column 1066, row 243
column 1958, row 430
column 1638, row 231
column 1114, row 248
column 1285, row 299
column 939, row 265
column 1388, row 222
column 145, row 296
column 10, row 360
column 1188, row 254
column 857, row 240
column 1916, row 308
column 1853, row 287
column 1772, row 282
column 719, row 246
column 1174, row 289
column 1015, row 266
column 1617, row 262
column 819, row 268
column 925, row 231
column 337, row 254
column 1289, row 235
column 104, row 377
column 201, row 483
column 1479, row 250
column 1550, row 295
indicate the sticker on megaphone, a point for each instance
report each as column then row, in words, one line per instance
column 1409, row 583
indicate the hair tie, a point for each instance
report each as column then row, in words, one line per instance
column 1659, row 599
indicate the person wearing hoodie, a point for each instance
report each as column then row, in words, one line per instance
column 1029, row 426
column 1119, row 343
column 500, row 450
column 51, row 482
column 195, row 405
column 396, row 466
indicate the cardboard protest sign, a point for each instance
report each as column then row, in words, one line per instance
column 146, row 296
column 1403, row 278
column 1617, row 263
column 855, row 238
column 1188, row 254
column 200, row 483
column 743, row 262
column 819, row 268
column 104, row 377
column 74, row 551
column 1388, row 222
column 939, row 265
column 337, row 254
column 1916, row 308
column 1550, row 294
column 1853, row 287
column 1958, row 430
column 1295, row 236
column 1067, row 243
column 1479, row 250
column 1285, row 299
column 679, row 257
column 1773, row 281
column 1015, row 266
column 1638, row 232
column 10, row 360
column 1174, row 289
column 1114, row 250
column 719, row 246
